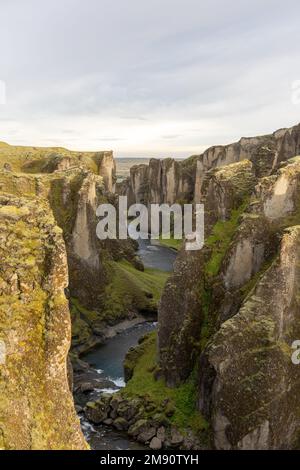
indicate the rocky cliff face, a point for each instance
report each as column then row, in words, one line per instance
column 230, row 311
column 249, row 385
column 168, row 181
column 48, row 160
column 265, row 152
column 162, row 181
column 102, row 288
column 183, row 312
column 36, row 405
column 48, row 199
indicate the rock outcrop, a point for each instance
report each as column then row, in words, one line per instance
column 104, row 288
column 168, row 181
column 230, row 312
column 183, row 309
column 36, row 405
column 162, row 181
column 50, row 159
column 249, row 385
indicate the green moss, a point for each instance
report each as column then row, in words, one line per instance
column 65, row 211
column 131, row 289
column 171, row 243
column 220, row 239
column 81, row 332
column 128, row 290
column 248, row 287
column 36, row 160
column 182, row 400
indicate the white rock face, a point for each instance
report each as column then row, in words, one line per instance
column 82, row 240
column 107, row 169
column 245, row 261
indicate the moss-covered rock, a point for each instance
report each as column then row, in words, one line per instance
column 36, row 405
column 249, row 385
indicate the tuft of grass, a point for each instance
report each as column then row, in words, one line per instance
column 182, row 399
column 170, row 243
column 220, row 239
column 128, row 290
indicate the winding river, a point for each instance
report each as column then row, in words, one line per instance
column 108, row 358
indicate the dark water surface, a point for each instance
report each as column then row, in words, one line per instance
column 108, row 359
column 156, row 256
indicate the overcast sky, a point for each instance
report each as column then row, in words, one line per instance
column 147, row 78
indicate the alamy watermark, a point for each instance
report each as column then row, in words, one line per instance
column 153, row 221
column 2, row 353
column 295, row 97
column 296, row 354
column 2, row 92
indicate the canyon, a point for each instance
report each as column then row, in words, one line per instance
column 217, row 373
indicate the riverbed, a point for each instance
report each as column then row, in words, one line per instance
column 107, row 360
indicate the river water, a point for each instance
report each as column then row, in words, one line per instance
column 108, row 359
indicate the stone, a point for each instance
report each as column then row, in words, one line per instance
column 138, row 427
column 161, row 433
column 121, row 424
column 155, row 444
column 146, row 435
column 247, row 378
column 176, row 437
column 108, row 421
column 36, row 331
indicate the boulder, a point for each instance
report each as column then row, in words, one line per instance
column 121, row 424
column 147, row 434
column 155, row 444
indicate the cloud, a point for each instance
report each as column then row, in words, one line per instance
column 163, row 78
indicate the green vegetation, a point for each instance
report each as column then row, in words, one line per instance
column 65, row 212
column 220, row 240
column 131, row 289
column 181, row 401
column 41, row 159
column 128, row 290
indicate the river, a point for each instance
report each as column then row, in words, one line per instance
column 108, row 359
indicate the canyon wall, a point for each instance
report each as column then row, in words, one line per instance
column 162, row 181
column 72, row 185
column 52, row 260
column 169, row 180
column 230, row 312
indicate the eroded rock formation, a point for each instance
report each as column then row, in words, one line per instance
column 36, row 405
column 168, row 181
column 231, row 311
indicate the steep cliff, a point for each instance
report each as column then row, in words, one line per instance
column 36, row 405
column 162, row 181
column 230, row 312
column 168, row 180
column 104, row 286
column 183, row 311
column 249, row 385
column 265, row 152
column 50, row 159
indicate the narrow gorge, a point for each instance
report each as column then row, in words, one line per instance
column 210, row 336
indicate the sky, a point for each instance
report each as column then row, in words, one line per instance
column 164, row 78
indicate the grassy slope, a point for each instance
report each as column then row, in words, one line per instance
column 33, row 159
column 128, row 290
column 171, row 243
